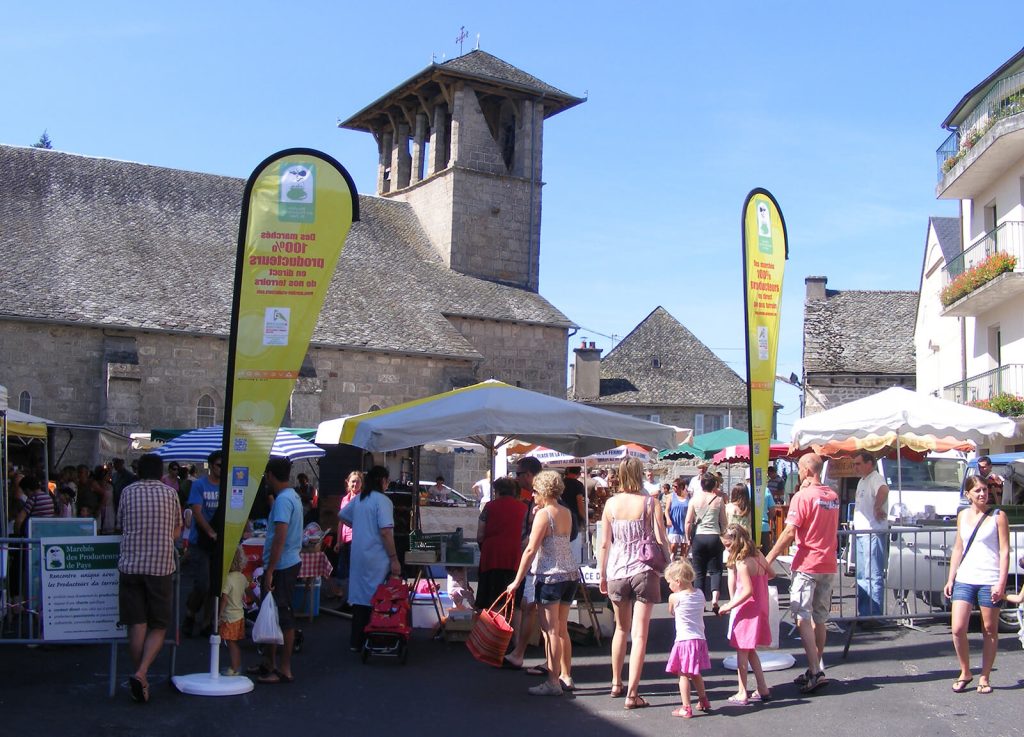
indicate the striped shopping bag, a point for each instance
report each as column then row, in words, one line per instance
column 491, row 634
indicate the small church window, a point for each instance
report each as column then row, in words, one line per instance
column 25, row 403
column 206, row 411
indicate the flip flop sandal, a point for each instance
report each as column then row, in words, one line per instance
column 617, row 691
column 275, row 677
column 738, row 700
column 140, row 691
column 536, row 670
column 817, row 681
column 960, row 684
column 985, row 688
column 635, row 702
column 759, row 698
column 683, row 711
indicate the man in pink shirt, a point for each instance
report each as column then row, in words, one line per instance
column 813, row 522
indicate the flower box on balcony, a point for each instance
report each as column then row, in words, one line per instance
column 1007, row 405
column 979, row 274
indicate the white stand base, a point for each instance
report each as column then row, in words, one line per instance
column 770, row 660
column 205, row 684
column 213, row 683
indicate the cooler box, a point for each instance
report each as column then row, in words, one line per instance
column 300, row 600
column 423, row 614
column 253, row 549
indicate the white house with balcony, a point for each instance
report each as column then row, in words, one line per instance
column 970, row 322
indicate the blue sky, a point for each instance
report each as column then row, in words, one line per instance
column 836, row 110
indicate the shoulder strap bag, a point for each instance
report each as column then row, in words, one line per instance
column 652, row 554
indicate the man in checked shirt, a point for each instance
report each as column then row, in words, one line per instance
column 149, row 519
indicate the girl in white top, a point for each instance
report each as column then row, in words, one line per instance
column 978, row 576
column 690, row 652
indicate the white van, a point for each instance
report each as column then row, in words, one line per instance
column 918, row 490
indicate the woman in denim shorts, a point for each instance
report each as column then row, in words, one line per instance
column 549, row 557
column 978, row 576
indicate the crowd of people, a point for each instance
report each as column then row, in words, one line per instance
column 688, row 533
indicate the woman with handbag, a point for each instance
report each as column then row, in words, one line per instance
column 977, row 575
column 632, row 536
column 549, row 557
column 705, row 525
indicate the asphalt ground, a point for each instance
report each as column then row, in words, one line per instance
column 895, row 681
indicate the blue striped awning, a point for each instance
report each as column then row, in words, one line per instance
column 197, row 445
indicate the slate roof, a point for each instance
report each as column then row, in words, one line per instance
column 481, row 65
column 476, row 66
column 100, row 242
column 948, row 232
column 689, row 374
column 858, row 331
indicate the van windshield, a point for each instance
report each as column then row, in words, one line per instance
column 931, row 474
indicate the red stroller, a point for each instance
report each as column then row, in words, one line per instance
column 388, row 632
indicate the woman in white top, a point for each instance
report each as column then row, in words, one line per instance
column 977, row 575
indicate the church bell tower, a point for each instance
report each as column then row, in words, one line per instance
column 462, row 143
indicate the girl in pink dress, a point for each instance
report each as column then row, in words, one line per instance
column 748, row 605
column 690, row 652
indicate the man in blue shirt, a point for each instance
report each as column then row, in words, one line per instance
column 281, row 563
column 203, row 500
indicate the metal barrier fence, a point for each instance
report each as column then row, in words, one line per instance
column 913, row 563
column 22, row 616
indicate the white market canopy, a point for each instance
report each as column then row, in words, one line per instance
column 906, row 414
column 492, row 413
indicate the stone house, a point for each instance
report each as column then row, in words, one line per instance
column 973, row 335
column 856, row 343
column 117, row 278
column 662, row 372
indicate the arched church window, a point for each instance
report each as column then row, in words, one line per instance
column 206, row 411
column 25, row 403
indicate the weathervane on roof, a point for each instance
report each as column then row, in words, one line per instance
column 461, row 37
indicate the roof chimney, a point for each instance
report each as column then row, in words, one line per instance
column 586, row 372
column 815, row 287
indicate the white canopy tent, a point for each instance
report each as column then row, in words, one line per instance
column 912, row 420
column 492, row 413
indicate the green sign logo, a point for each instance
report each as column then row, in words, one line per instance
column 297, row 191
column 764, row 226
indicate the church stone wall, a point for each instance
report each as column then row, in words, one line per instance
column 533, row 355
column 156, row 379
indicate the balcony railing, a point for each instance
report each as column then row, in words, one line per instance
column 1008, row 238
column 1008, row 379
column 1005, row 99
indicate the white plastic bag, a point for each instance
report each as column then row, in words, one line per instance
column 267, row 629
column 774, row 615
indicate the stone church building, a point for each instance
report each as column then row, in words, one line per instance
column 117, row 276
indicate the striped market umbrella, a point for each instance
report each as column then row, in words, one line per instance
column 197, row 445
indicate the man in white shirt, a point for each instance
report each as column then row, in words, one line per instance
column 694, row 486
column 652, row 487
column 869, row 514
